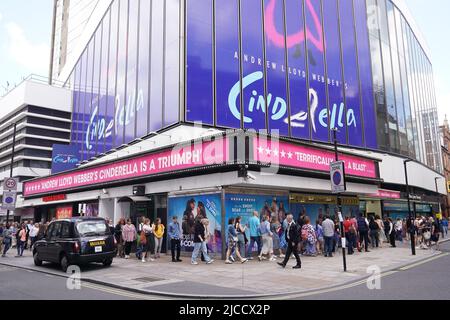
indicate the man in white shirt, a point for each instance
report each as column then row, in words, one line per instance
column 328, row 235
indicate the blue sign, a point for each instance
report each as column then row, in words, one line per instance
column 64, row 158
column 293, row 69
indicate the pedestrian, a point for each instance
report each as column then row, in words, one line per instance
column 33, row 235
column 232, row 243
column 444, row 227
column 328, row 235
column 200, row 233
column 242, row 238
column 392, row 233
column 149, row 242
column 2, row 228
column 266, row 235
column 255, row 235
column 381, row 234
column 21, row 240
column 276, row 229
column 399, row 230
column 309, row 238
column 350, row 234
column 363, row 230
column 159, row 230
column 292, row 235
column 174, row 234
column 119, row 239
column 374, row 232
column 7, row 236
column 319, row 236
column 281, row 212
column 435, row 233
column 129, row 236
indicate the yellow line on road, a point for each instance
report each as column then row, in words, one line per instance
column 424, row 261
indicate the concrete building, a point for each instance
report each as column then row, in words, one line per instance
column 42, row 114
column 445, row 134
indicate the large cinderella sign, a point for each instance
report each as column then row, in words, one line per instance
column 285, row 67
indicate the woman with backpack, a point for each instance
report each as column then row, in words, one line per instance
column 374, row 232
column 233, row 239
column 147, row 240
column 309, row 238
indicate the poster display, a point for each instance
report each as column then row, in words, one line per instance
column 243, row 205
column 190, row 208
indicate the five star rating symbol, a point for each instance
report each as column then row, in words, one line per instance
column 276, row 153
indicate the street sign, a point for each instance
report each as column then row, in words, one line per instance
column 337, row 174
column 9, row 200
column 10, row 184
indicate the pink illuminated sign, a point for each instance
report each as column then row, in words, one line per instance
column 181, row 158
column 277, row 37
column 386, row 194
column 302, row 157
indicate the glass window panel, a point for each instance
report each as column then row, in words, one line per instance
column 121, row 87
column 131, row 96
column 316, row 67
column 172, row 63
column 88, row 101
column 277, row 108
column 112, row 72
column 199, row 78
column 227, row 64
column 156, row 67
column 254, row 104
column 93, row 114
column 300, row 127
column 103, row 101
column 334, row 69
column 142, row 104
column 352, row 95
column 365, row 74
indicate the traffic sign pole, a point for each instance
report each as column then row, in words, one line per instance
column 341, row 218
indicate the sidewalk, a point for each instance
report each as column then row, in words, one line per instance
column 250, row 280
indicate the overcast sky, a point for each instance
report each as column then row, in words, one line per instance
column 25, row 31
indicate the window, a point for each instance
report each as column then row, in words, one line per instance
column 65, row 230
column 56, row 231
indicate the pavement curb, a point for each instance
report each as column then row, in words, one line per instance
column 230, row 297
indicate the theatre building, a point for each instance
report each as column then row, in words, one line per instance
column 222, row 108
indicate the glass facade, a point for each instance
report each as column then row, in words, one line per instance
column 298, row 68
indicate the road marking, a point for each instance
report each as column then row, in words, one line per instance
column 364, row 281
column 423, row 262
column 121, row 292
column 347, row 286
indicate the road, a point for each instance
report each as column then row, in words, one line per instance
column 424, row 281
column 19, row 284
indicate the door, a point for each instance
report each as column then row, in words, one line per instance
column 53, row 247
column 43, row 246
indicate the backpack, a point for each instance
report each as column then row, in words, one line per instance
column 142, row 238
column 304, row 234
column 362, row 225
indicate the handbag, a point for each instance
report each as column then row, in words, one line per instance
column 143, row 238
column 427, row 235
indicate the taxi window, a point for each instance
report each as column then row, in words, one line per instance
column 92, row 228
column 65, row 230
column 56, row 230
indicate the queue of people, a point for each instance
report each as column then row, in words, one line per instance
column 21, row 236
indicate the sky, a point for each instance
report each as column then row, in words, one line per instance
column 25, row 32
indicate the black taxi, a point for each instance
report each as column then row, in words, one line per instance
column 76, row 241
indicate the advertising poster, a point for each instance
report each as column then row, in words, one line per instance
column 243, row 205
column 64, row 212
column 188, row 208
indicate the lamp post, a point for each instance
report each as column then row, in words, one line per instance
column 12, row 162
column 341, row 226
column 411, row 222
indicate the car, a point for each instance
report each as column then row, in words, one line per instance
column 76, row 241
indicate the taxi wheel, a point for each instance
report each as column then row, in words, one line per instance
column 64, row 263
column 37, row 261
column 107, row 262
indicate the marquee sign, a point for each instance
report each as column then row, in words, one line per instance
column 180, row 158
column 310, row 158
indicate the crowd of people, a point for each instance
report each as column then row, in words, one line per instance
column 20, row 236
column 274, row 238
